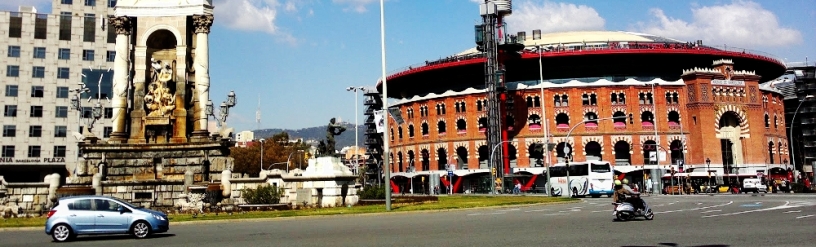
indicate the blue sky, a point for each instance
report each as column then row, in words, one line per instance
column 300, row 55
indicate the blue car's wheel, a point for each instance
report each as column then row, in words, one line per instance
column 140, row 229
column 62, row 233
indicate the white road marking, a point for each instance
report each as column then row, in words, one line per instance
column 695, row 209
column 512, row 209
column 804, row 216
column 786, row 205
column 699, row 203
column 537, row 210
column 497, row 213
column 793, row 211
column 710, row 211
column 599, row 211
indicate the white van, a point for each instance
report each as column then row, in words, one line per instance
column 753, row 185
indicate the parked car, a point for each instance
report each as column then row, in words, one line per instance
column 85, row 215
column 753, row 185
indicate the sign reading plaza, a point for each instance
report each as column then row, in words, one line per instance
column 32, row 160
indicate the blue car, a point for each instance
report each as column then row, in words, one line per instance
column 86, row 215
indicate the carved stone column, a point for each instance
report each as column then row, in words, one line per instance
column 201, row 25
column 122, row 26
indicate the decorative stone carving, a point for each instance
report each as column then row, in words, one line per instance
column 192, row 202
column 120, row 23
column 202, row 23
column 159, row 101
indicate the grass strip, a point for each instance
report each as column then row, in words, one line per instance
column 444, row 203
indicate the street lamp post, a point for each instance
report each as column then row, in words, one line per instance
column 356, row 124
column 708, row 169
column 567, row 150
column 289, row 159
column 793, row 153
column 385, row 109
column 262, row 148
column 491, row 166
column 544, row 119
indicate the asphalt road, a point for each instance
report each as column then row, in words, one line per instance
column 721, row 220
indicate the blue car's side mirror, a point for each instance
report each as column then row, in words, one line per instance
column 121, row 209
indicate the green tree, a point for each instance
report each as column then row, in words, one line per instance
column 276, row 153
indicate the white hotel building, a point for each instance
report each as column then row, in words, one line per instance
column 43, row 58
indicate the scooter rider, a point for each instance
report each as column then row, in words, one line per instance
column 620, row 194
column 635, row 201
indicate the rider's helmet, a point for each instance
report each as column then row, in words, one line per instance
column 625, row 181
column 618, row 182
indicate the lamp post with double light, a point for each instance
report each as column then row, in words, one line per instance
column 356, row 126
column 568, row 151
column 223, row 113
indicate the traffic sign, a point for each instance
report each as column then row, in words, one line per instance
column 450, row 173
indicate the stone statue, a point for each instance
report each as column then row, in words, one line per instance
column 332, row 130
column 159, row 101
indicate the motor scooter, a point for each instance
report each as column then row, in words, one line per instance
column 626, row 211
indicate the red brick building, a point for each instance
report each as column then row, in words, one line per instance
column 688, row 101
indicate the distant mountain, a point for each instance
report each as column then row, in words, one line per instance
column 316, row 134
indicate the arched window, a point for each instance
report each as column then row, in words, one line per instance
column 591, row 120
column 585, row 99
column 619, row 120
column 391, row 134
column 770, row 152
column 613, row 98
column 562, row 121
column 776, row 122
column 529, row 101
column 482, row 124
column 440, row 127
column 399, row 132
column 564, row 100
column 674, row 119
column 411, row 131
column 593, row 99
column 534, row 122
column 536, row 101
column 424, row 129
column 461, row 126
column 647, row 119
column 557, row 100
column 767, row 121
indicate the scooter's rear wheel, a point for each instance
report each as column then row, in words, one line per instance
column 649, row 215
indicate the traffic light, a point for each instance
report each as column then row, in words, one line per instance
column 672, row 171
column 493, row 171
column 631, row 119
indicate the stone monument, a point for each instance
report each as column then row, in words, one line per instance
column 326, row 182
column 161, row 107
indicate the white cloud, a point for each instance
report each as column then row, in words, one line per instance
column 553, row 17
column 247, row 15
column 741, row 23
column 358, row 6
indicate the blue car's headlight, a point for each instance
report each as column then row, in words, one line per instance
column 159, row 217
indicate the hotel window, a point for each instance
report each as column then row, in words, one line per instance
column 34, row 131
column 11, row 90
column 34, row 151
column 111, row 35
column 90, row 3
column 36, row 111
column 106, row 132
column 61, row 112
column 87, row 112
column 67, row 2
column 62, row 92
column 110, row 56
column 64, row 54
column 63, row 73
column 13, row 71
column 9, row 130
column 65, row 26
column 14, row 51
column 39, row 52
column 10, row 111
column 8, row 151
column 41, row 26
column 60, row 131
column 38, row 72
column 15, row 25
column 108, row 112
column 111, row 3
column 89, row 28
column 87, row 55
column 59, row 151
column 37, row 91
